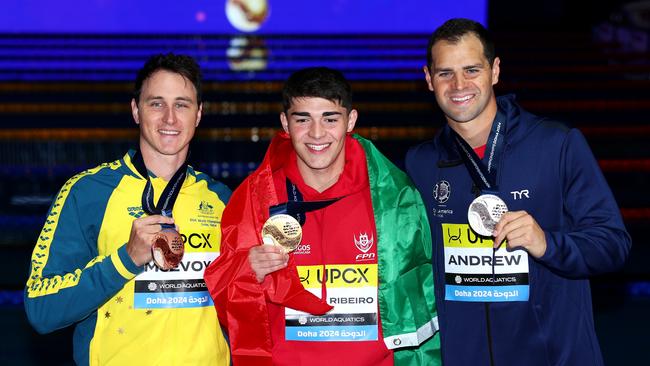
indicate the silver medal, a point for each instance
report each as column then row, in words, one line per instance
column 485, row 212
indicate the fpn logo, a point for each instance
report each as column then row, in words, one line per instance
column 364, row 244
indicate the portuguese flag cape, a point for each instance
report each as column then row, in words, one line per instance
column 406, row 297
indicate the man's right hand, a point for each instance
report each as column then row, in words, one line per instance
column 143, row 231
column 265, row 259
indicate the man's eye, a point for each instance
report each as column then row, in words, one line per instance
column 331, row 120
column 156, row 104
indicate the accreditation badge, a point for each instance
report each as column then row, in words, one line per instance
column 283, row 230
column 352, row 290
column 485, row 212
column 475, row 272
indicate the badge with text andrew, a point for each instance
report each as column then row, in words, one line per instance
column 475, row 272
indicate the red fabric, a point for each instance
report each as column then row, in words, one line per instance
column 241, row 301
column 480, row 151
column 329, row 234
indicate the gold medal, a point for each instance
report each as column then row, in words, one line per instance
column 167, row 249
column 283, row 230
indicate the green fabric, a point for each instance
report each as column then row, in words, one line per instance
column 406, row 296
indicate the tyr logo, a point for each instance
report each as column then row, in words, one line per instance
column 520, row 194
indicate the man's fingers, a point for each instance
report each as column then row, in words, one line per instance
column 154, row 220
column 506, row 218
column 265, row 259
column 267, row 255
column 522, row 232
column 517, row 238
column 270, row 264
column 269, row 259
column 509, row 221
column 268, row 249
column 152, row 224
column 276, row 267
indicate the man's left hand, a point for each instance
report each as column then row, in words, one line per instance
column 520, row 230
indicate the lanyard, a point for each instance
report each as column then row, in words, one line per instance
column 484, row 175
column 169, row 194
column 296, row 207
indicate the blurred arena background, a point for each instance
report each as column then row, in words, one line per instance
column 66, row 71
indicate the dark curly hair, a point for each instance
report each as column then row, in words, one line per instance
column 317, row 82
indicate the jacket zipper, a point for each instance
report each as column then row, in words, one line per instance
column 487, row 304
column 477, row 192
column 489, row 332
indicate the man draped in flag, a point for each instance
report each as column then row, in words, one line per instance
column 358, row 287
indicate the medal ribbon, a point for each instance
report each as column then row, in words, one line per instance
column 296, row 207
column 485, row 177
column 169, row 194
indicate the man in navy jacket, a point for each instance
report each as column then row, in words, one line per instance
column 511, row 288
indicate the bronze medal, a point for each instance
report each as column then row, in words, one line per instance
column 167, row 249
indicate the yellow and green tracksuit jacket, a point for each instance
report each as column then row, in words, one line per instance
column 81, row 274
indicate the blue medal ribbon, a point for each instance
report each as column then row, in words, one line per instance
column 483, row 174
column 169, row 194
column 296, row 207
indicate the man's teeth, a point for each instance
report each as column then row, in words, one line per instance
column 166, row 132
column 467, row 97
column 317, row 147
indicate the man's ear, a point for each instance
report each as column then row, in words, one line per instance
column 352, row 120
column 199, row 113
column 427, row 77
column 134, row 111
column 284, row 121
column 495, row 70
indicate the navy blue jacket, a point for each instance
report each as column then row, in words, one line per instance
column 549, row 171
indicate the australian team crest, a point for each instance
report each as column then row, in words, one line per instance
column 363, row 243
column 206, row 208
column 441, row 191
